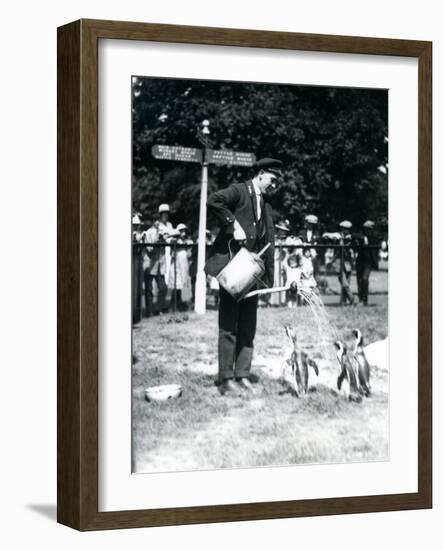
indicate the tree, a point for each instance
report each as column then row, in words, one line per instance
column 332, row 141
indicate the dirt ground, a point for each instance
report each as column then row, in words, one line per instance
column 204, row 430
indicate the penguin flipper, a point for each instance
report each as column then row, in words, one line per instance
column 340, row 379
column 314, row 365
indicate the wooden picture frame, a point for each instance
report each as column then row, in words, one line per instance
column 77, row 457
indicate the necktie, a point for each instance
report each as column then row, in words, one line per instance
column 261, row 219
column 258, row 205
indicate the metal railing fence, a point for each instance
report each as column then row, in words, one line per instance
column 329, row 261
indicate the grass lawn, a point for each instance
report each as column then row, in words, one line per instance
column 203, row 430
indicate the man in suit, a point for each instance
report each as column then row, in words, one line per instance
column 346, row 263
column 367, row 260
column 245, row 215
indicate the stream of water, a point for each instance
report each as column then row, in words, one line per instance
column 327, row 332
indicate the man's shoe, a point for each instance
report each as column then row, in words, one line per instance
column 228, row 387
column 245, row 384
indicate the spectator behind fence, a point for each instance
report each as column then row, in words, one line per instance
column 299, row 272
column 384, row 250
column 137, row 268
column 136, row 228
column 211, row 282
column 283, row 230
column 157, row 262
column 179, row 279
column 329, row 255
column 310, row 235
column 292, row 275
column 367, row 259
column 346, row 263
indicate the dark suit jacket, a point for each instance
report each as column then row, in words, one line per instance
column 303, row 234
column 237, row 202
column 366, row 256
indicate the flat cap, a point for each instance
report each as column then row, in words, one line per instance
column 369, row 224
column 310, row 218
column 283, row 225
column 270, row 165
column 346, row 224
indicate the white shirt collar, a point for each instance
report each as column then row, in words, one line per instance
column 256, row 189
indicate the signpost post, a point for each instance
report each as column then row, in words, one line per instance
column 203, row 157
column 200, row 280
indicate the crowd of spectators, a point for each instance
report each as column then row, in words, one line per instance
column 303, row 259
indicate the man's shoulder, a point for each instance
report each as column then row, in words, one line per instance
column 236, row 190
column 241, row 186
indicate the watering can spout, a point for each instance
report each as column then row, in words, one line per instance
column 262, row 291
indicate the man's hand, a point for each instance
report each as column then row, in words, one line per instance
column 239, row 233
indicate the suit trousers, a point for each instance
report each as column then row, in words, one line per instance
column 237, row 323
column 345, row 282
column 363, row 273
column 149, row 295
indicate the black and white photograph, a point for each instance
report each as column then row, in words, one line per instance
column 260, row 254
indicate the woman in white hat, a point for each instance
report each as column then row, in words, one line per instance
column 179, row 279
column 156, row 267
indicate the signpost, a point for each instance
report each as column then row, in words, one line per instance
column 177, row 153
column 231, row 158
column 204, row 157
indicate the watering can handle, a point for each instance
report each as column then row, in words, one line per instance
column 229, row 246
column 263, row 250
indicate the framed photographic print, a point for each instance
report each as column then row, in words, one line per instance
column 244, row 275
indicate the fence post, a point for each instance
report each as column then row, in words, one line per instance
column 280, row 282
column 174, row 256
column 137, row 267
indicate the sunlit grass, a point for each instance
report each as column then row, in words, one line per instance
column 203, row 430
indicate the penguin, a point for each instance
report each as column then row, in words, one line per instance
column 346, row 372
column 363, row 368
column 299, row 361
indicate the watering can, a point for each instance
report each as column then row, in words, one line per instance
column 243, row 271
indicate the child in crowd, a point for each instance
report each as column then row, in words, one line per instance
column 299, row 275
column 293, row 275
column 307, row 280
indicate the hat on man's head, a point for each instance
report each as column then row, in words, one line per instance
column 270, row 165
column 136, row 219
column 163, row 208
column 310, row 218
column 369, row 224
column 181, row 226
column 346, row 224
column 283, row 225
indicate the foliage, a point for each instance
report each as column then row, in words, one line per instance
column 333, row 142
